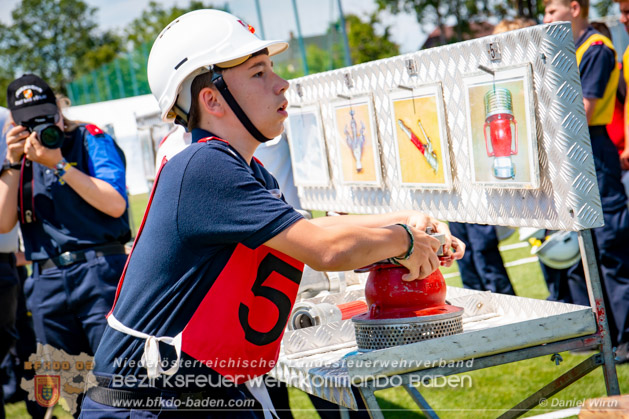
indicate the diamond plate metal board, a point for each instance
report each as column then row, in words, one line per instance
column 565, row 194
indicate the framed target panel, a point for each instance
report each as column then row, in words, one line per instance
column 421, row 139
column 501, row 126
column 356, row 140
column 307, row 147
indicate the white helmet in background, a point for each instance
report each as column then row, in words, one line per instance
column 191, row 45
column 560, row 250
column 527, row 233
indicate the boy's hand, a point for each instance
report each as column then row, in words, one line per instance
column 420, row 221
column 424, row 260
column 453, row 248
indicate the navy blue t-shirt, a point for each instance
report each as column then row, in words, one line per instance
column 207, row 201
column 596, row 66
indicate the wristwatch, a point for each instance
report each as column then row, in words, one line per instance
column 7, row 165
column 60, row 169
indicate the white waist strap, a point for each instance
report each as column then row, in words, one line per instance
column 258, row 389
column 151, row 358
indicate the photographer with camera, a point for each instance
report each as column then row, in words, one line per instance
column 8, row 281
column 65, row 183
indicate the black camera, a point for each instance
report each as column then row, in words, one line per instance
column 48, row 133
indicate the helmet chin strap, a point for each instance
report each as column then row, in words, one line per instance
column 220, row 84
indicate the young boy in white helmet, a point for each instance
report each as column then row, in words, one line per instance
column 210, row 283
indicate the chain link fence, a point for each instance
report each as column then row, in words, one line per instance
column 121, row 78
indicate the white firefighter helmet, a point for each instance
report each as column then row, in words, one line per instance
column 190, row 45
column 560, row 250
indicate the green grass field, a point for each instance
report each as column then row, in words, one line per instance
column 486, row 393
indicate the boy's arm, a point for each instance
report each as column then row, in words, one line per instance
column 412, row 218
column 351, row 246
column 589, row 104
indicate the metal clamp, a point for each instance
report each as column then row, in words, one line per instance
column 493, row 51
column 348, row 80
column 411, row 67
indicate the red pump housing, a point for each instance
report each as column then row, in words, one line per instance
column 390, row 297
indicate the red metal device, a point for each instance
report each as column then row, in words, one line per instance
column 390, row 297
column 403, row 312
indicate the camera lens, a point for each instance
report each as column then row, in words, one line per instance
column 50, row 135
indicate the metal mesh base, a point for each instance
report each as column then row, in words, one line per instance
column 385, row 333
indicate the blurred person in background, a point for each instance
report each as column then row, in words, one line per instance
column 9, row 279
column 599, row 75
column 72, row 210
column 506, row 25
column 20, row 337
column 617, row 127
column 482, row 267
column 622, row 140
column 173, row 142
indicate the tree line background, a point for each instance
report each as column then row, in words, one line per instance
column 60, row 41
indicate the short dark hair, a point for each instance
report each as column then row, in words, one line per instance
column 199, row 83
column 585, row 5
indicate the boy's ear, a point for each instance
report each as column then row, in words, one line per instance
column 575, row 8
column 208, row 101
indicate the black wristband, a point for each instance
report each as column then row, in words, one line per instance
column 8, row 166
column 411, row 246
column 392, row 261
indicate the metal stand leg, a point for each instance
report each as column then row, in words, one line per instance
column 366, row 392
column 595, row 293
column 421, row 402
column 554, row 387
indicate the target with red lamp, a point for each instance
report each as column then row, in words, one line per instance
column 501, row 131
